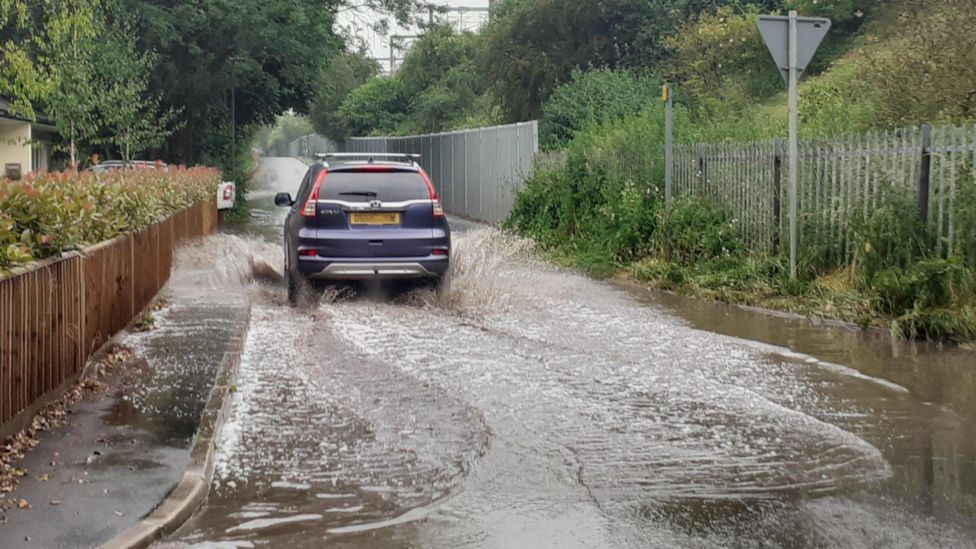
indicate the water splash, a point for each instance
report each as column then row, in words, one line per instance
column 486, row 263
column 228, row 261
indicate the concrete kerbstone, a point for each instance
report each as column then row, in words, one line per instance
column 194, row 486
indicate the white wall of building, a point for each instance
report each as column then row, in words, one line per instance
column 15, row 146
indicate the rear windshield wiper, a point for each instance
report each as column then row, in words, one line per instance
column 369, row 194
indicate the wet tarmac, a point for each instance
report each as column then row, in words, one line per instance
column 124, row 449
column 533, row 407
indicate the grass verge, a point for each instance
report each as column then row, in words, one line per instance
column 841, row 294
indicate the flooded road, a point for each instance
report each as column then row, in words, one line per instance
column 532, row 407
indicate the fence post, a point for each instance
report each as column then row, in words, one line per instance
column 777, row 192
column 924, row 173
column 703, row 166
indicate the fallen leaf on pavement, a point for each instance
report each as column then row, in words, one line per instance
column 55, row 502
column 44, row 478
column 22, row 504
column 16, row 446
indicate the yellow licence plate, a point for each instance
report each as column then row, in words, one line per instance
column 376, row 218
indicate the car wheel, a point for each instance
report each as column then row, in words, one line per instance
column 443, row 284
column 297, row 288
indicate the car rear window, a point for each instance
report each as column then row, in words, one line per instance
column 387, row 186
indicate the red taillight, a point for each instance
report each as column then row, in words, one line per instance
column 309, row 209
column 308, row 253
column 438, row 252
column 438, row 208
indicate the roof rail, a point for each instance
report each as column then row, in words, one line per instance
column 410, row 157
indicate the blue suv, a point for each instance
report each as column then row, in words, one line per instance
column 363, row 217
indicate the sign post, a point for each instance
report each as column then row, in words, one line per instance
column 792, row 41
column 668, row 144
column 794, row 142
column 668, row 162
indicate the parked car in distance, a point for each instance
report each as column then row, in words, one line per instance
column 112, row 165
column 364, row 217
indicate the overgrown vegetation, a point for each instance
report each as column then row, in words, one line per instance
column 728, row 91
column 894, row 280
column 46, row 214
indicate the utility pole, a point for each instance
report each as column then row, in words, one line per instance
column 794, row 143
column 394, row 44
column 430, row 14
column 491, row 9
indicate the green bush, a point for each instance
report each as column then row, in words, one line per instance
column 928, row 284
column 720, row 56
column 697, row 230
column 376, row 107
column 937, row 324
column 45, row 214
column 606, row 197
column 892, row 235
column 598, row 95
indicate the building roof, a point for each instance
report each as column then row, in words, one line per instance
column 41, row 122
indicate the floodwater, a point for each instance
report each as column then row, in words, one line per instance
column 533, row 407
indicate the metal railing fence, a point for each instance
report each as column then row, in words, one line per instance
column 478, row 173
column 842, row 182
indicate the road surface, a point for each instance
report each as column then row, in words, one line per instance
column 533, row 407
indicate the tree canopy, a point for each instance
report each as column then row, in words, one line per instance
column 188, row 80
column 531, row 60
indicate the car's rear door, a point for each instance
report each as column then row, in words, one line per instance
column 374, row 211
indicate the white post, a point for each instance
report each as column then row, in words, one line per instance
column 668, row 147
column 668, row 164
column 794, row 144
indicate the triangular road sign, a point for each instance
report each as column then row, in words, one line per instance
column 775, row 30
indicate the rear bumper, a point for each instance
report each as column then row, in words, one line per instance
column 372, row 268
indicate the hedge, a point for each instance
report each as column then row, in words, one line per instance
column 44, row 214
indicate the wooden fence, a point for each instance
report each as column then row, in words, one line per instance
column 841, row 183
column 56, row 313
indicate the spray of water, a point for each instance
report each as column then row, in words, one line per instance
column 485, row 264
column 226, row 262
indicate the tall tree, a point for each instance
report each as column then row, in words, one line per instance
column 20, row 79
column 48, row 61
column 533, row 46
column 346, row 72
column 129, row 116
column 227, row 64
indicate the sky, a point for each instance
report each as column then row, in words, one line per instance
column 379, row 45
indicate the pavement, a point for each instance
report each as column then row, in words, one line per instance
column 124, row 449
